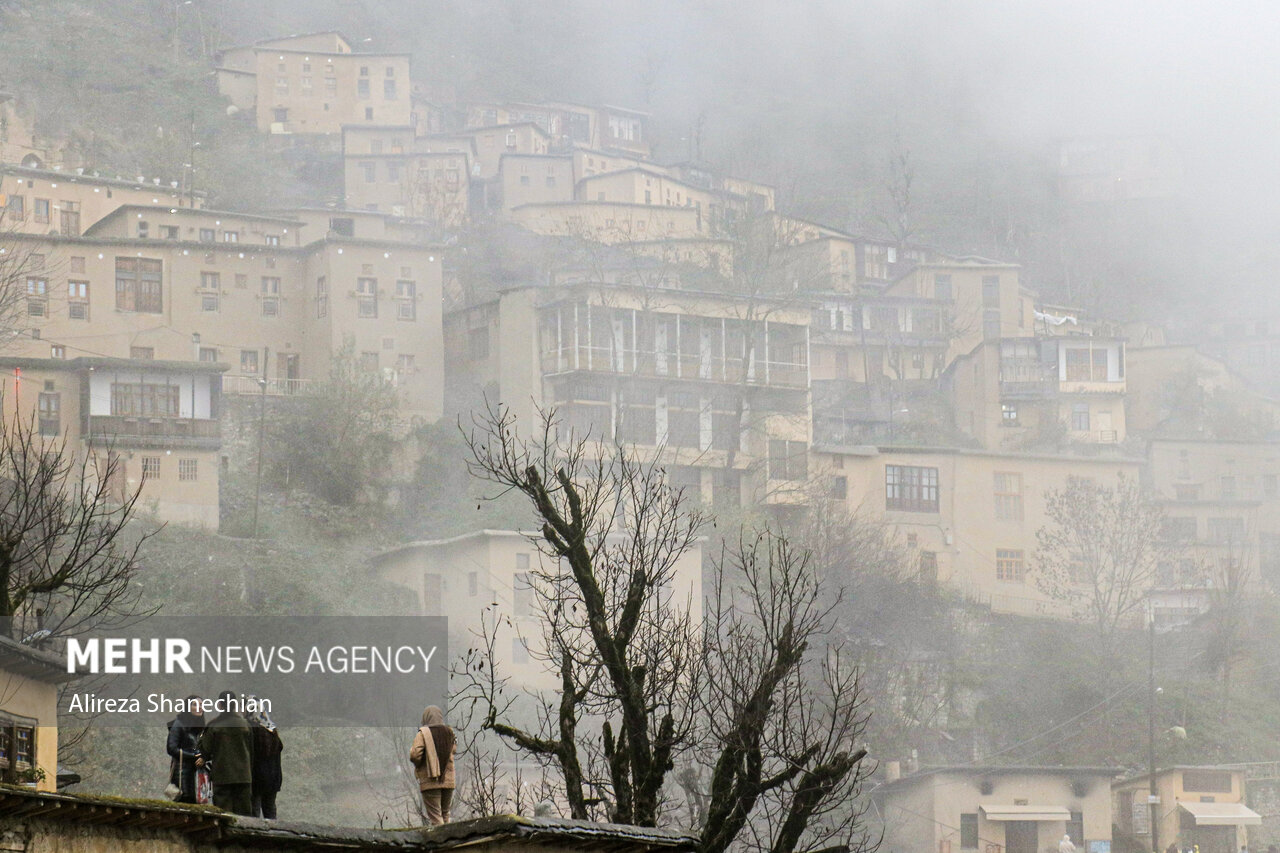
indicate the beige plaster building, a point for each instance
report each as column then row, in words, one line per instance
column 995, row 809
column 971, row 516
column 1026, row 391
column 157, row 419
column 314, row 84
column 249, row 291
column 1222, row 506
column 382, row 175
column 718, row 383
column 483, row 579
column 1200, row 807
column 43, row 201
column 602, row 128
column 29, row 679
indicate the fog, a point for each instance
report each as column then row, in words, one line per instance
column 1013, row 422
column 809, row 95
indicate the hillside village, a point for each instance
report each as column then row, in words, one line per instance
column 537, row 255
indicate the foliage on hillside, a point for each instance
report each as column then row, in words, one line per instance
column 122, row 84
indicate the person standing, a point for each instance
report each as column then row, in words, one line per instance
column 432, row 757
column 183, row 746
column 267, row 777
column 227, row 747
column 1065, row 845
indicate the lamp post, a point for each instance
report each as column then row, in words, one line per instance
column 1153, row 796
column 262, row 428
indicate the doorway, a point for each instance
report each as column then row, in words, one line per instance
column 1021, row 836
column 288, row 371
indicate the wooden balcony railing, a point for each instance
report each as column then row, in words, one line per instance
column 661, row 365
column 126, row 426
column 276, row 387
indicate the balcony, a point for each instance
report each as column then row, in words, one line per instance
column 1091, row 386
column 129, row 431
column 277, row 387
column 1027, row 378
column 664, row 365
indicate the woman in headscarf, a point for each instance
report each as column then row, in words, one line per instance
column 267, row 777
column 432, row 757
column 182, row 745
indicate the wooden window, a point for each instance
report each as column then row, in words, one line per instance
column 322, row 297
column 840, row 487
column 1086, row 365
column 788, row 460
column 1080, row 417
column 991, row 291
column 406, row 295
column 270, row 290
column 911, row 488
column 150, row 467
column 1010, row 565
column 142, row 399
column 144, row 353
column 1008, row 496
column 50, row 407
column 522, row 593
column 78, row 300
column 929, row 567
column 367, row 297
column 139, row 285
column 188, row 470
column 249, row 362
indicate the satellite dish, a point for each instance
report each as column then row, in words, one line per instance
column 232, row 110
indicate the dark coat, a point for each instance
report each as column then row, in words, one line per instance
column 267, row 747
column 183, row 746
column 227, row 745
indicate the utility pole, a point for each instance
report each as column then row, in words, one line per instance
column 1153, row 804
column 262, row 429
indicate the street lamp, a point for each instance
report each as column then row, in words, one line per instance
column 1153, row 795
column 262, row 428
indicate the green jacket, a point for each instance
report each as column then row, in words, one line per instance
column 227, row 746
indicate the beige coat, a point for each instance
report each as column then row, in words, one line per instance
column 433, row 770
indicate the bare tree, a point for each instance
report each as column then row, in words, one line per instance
column 613, row 629
column 19, row 262
column 66, row 563
column 1227, row 618
column 899, row 181
column 764, row 726
column 782, row 720
column 1098, row 553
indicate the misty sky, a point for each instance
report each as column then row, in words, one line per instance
column 806, row 94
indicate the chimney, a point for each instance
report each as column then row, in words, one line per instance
column 892, row 771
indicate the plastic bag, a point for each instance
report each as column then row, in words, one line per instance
column 204, row 787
